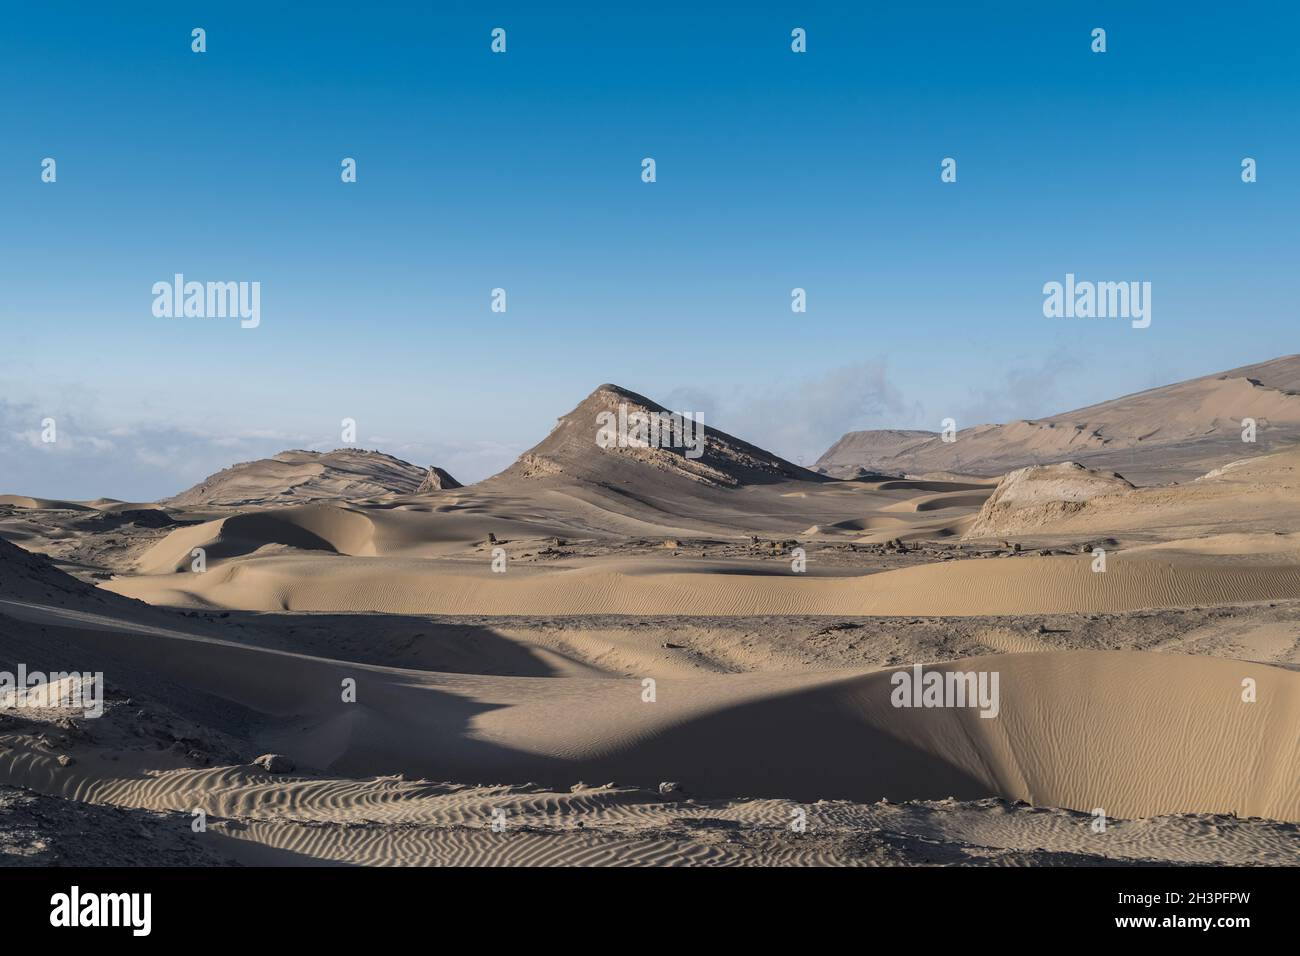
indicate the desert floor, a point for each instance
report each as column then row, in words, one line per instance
column 503, row 717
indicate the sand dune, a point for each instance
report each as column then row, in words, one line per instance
column 387, row 559
column 1023, row 585
column 44, row 504
column 771, row 608
column 26, row 576
column 308, row 527
column 1139, row 734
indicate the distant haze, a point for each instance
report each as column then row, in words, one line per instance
column 775, row 171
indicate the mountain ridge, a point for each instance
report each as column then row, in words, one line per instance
column 298, row 475
column 1171, row 432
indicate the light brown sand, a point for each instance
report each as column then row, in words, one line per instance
column 1119, row 691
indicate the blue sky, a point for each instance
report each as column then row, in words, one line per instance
column 522, row 171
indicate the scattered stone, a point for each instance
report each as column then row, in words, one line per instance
column 65, row 760
column 274, row 763
column 147, row 517
column 436, row 479
column 71, row 726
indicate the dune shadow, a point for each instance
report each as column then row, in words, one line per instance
column 812, row 743
column 391, row 640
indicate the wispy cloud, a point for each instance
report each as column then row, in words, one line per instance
column 800, row 419
column 1031, row 390
column 145, row 461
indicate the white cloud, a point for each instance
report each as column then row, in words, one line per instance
column 801, row 419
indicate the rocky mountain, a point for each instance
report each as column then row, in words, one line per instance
column 297, row 476
column 616, row 437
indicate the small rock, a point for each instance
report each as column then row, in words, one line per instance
column 65, row 760
column 670, row 788
column 274, row 763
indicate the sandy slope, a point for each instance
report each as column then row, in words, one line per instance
column 26, row 502
column 1137, row 733
column 105, row 505
column 1020, row 586
column 624, row 566
column 1257, row 494
column 1171, row 433
column 408, row 558
column 306, row 475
